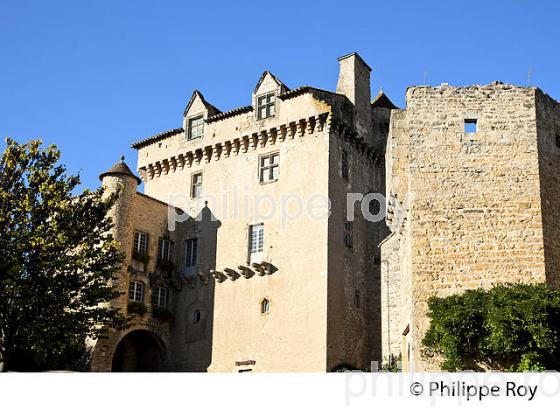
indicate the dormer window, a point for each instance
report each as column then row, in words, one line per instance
column 196, row 127
column 266, row 105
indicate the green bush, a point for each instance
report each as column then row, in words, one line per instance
column 512, row 327
column 137, row 308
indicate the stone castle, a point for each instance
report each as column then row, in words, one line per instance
column 214, row 283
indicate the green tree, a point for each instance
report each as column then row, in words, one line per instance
column 57, row 260
column 510, row 327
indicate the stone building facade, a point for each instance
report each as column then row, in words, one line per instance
column 472, row 201
column 258, row 276
column 240, row 255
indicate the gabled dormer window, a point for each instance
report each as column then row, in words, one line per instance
column 195, row 127
column 266, row 105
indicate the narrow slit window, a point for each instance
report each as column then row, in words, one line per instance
column 357, row 300
column 196, row 316
column 345, row 161
column 348, row 234
column 470, row 125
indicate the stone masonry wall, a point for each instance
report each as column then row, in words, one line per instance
column 548, row 130
column 475, row 217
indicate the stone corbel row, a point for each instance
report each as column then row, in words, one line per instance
column 349, row 134
column 260, row 269
column 237, row 145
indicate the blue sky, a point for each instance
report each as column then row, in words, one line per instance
column 93, row 77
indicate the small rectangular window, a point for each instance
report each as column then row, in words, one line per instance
column 136, row 291
column 470, row 125
column 266, row 106
column 558, row 140
column 190, row 252
column 159, row 297
column 348, row 240
column 141, row 242
column 256, row 238
column 196, row 127
column 345, row 161
column 196, row 185
column 269, row 165
column 164, row 250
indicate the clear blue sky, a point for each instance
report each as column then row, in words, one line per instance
column 93, row 77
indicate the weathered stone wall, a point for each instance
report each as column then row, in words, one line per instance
column 324, row 298
column 548, row 130
column 133, row 212
column 354, row 328
column 475, row 216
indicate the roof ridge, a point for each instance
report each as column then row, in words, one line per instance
column 156, row 137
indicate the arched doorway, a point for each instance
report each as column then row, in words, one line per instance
column 139, row 351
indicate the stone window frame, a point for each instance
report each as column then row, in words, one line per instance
column 136, row 291
column 140, row 245
column 269, row 105
column 269, row 167
column 196, row 185
column 199, row 127
column 160, row 296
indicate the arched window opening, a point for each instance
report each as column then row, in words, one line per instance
column 265, row 306
column 196, row 316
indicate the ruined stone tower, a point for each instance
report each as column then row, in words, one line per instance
column 473, row 190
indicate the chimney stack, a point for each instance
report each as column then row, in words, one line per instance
column 354, row 83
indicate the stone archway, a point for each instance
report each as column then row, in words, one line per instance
column 139, row 351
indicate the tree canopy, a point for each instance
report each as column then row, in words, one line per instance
column 57, row 259
column 510, row 327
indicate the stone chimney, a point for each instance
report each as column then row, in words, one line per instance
column 354, row 83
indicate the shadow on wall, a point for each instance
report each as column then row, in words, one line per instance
column 193, row 331
column 139, row 351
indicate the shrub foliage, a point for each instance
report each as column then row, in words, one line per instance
column 511, row 327
column 57, row 260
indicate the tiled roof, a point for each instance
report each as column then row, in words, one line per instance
column 382, row 101
column 295, row 92
column 230, row 113
column 157, row 137
column 120, row 168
